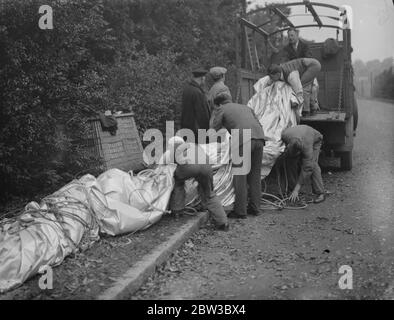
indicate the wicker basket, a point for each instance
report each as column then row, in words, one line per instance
column 123, row 150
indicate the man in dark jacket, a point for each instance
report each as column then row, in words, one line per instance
column 195, row 112
column 296, row 48
column 303, row 145
column 218, row 75
column 236, row 116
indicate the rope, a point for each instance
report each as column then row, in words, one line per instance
column 340, row 88
column 282, row 202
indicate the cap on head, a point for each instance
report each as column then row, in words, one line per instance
column 217, row 72
column 175, row 140
column 199, row 72
column 274, row 69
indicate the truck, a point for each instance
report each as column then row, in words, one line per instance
column 336, row 96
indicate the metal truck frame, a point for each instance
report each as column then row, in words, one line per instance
column 336, row 90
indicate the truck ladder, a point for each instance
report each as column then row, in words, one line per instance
column 252, row 50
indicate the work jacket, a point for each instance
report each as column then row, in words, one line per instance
column 302, row 51
column 195, row 112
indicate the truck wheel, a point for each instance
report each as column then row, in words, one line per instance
column 346, row 160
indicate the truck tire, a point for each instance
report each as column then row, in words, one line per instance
column 346, row 160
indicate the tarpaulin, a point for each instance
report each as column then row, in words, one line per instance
column 117, row 202
column 219, row 157
column 272, row 105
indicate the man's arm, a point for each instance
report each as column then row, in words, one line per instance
column 306, row 171
column 306, row 164
column 217, row 118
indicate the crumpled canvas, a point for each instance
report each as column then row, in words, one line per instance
column 219, row 156
column 272, row 105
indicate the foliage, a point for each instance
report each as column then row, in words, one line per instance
column 384, row 85
column 101, row 55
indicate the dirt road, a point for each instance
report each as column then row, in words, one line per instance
column 297, row 254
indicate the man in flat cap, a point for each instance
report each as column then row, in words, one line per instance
column 218, row 75
column 187, row 156
column 195, row 113
column 237, row 116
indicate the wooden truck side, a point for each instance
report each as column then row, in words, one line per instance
column 336, row 90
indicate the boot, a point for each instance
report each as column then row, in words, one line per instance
column 223, row 227
column 234, row 215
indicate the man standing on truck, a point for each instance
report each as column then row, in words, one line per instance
column 188, row 157
column 236, row 116
column 303, row 145
column 195, row 111
column 298, row 73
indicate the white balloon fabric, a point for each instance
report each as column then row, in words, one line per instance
column 272, row 105
column 118, row 202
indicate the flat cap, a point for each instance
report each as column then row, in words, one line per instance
column 199, row 72
column 217, row 72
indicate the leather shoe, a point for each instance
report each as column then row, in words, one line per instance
column 320, row 198
column 233, row 215
column 178, row 213
column 254, row 213
column 223, row 227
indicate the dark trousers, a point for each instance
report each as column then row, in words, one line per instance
column 202, row 173
column 310, row 73
column 249, row 184
column 293, row 167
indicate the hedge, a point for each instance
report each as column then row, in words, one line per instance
column 100, row 55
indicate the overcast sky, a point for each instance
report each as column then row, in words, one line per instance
column 373, row 26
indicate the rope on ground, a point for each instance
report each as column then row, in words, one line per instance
column 55, row 213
